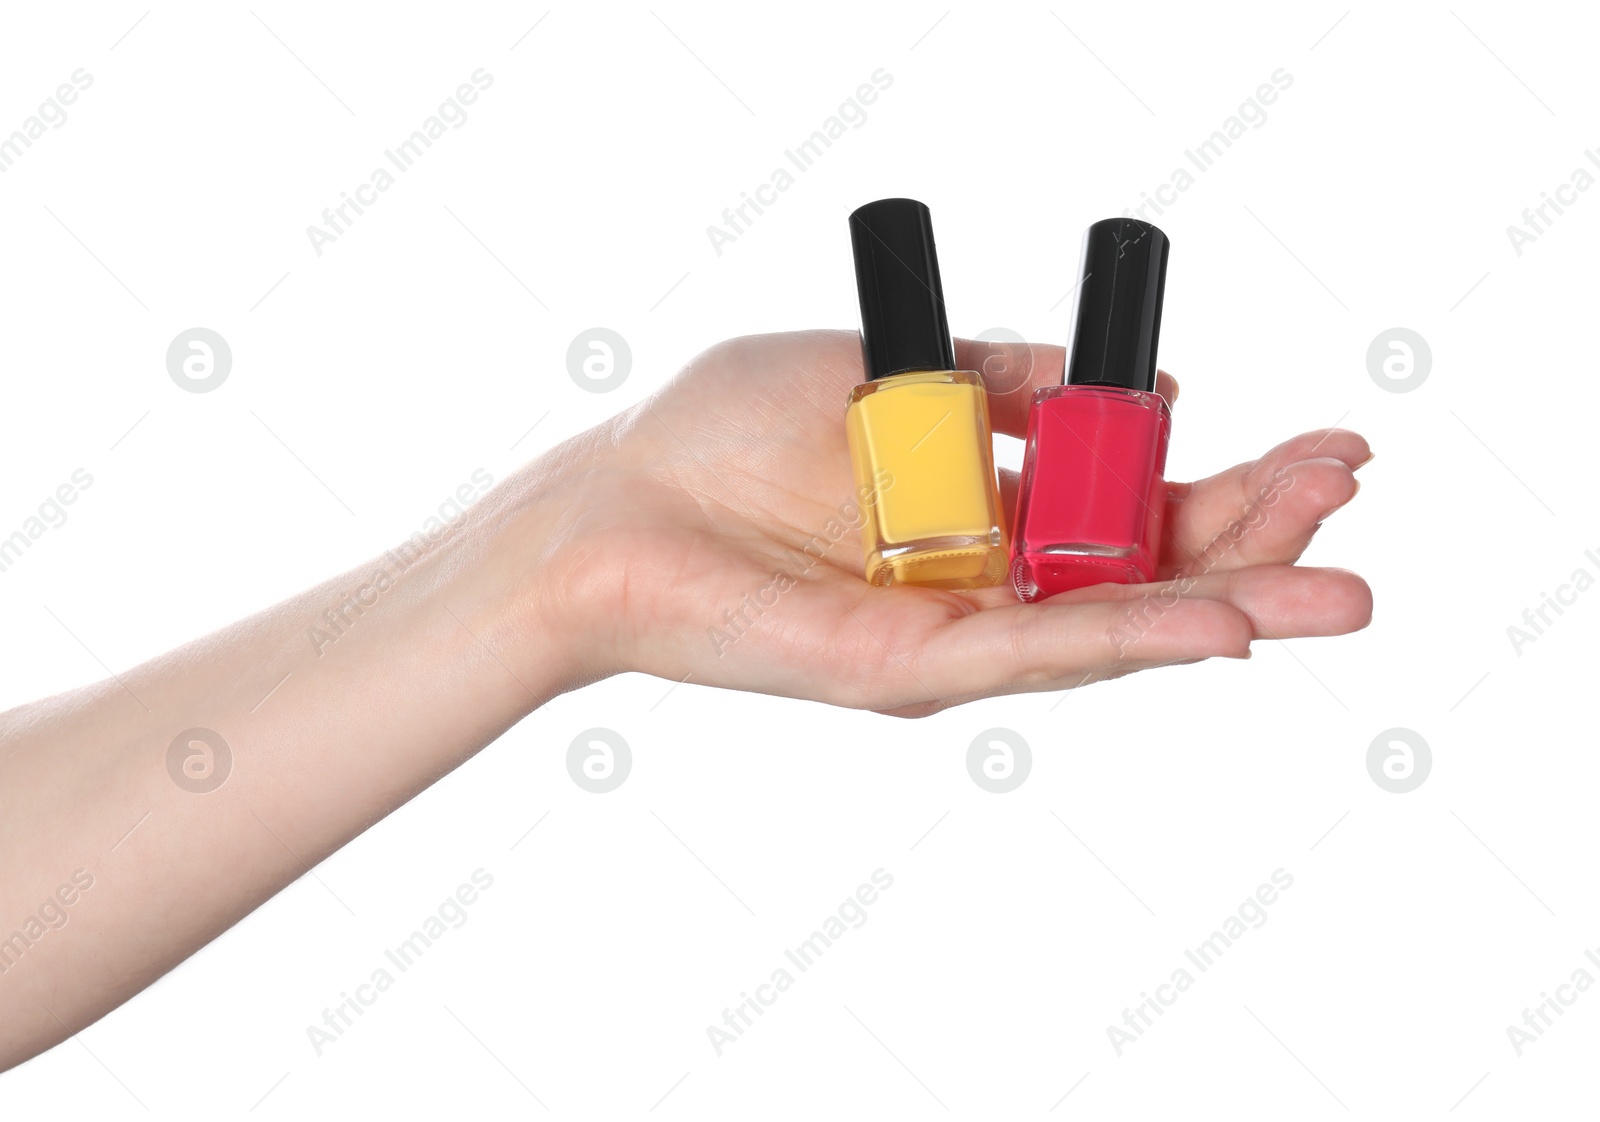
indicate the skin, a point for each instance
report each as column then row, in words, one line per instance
column 619, row 550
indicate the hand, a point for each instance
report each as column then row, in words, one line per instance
column 706, row 534
column 683, row 547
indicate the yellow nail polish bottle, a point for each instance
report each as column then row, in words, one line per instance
column 918, row 430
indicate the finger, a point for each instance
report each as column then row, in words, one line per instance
column 1263, row 512
column 1122, row 670
column 1011, row 372
column 1026, row 647
column 1280, row 601
column 1272, row 526
column 1105, row 631
column 1167, row 387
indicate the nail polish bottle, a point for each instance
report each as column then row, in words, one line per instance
column 918, row 429
column 1092, row 496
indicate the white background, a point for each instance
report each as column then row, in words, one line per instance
column 428, row 340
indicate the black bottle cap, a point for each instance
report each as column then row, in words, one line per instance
column 1118, row 313
column 903, row 326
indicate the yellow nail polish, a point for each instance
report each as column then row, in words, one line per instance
column 918, row 431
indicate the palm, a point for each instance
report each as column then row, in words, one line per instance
column 741, row 561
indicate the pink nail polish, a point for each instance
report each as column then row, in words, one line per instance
column 1092, row 498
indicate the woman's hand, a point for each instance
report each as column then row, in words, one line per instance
column 708, row 534
column 711, row 534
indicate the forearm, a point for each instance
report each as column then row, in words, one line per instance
column 120, row 854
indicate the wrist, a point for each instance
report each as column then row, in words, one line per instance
column 520, row 583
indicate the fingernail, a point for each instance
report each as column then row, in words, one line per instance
column 1325, row 515
column 1370, row 457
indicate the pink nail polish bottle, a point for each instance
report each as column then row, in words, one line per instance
column 1090, row 506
